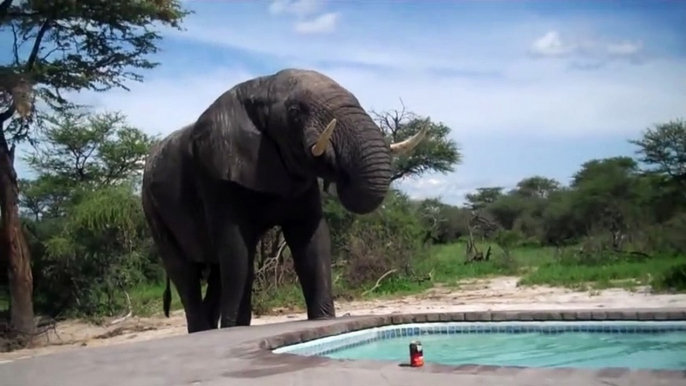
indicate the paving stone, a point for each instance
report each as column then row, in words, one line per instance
column 444, row 317
column 583, row 315
column 660, row 315
column 676, row 315
column 525, row 316
column 568, row 315
column 598, row 315
column 615, row 315
column 629, row 315
column 477, row 316
column 432, row 317
column 457, row 316
column 646, row 315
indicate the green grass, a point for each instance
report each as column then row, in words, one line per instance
column 446, row 264
column 147, row 300
column 542, row 266
column 616, row 274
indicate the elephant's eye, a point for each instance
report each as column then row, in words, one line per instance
column 295, row 113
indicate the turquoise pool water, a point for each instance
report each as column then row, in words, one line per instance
column 652, row 350
column 657, row 345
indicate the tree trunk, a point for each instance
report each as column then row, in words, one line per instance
column 18, row 256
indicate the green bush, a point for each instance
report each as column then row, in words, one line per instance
column 93, row 255
column 673, row 279
column 387, row 239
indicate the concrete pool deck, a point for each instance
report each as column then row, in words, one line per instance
column 242, row 356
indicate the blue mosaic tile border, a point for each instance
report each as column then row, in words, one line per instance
column 330, row 344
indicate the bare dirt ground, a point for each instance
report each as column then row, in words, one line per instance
column 477, row 295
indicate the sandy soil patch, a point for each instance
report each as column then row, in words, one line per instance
column 477, row 295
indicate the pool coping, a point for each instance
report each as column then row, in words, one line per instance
column 345, row 325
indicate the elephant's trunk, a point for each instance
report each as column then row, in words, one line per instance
column 364, row 160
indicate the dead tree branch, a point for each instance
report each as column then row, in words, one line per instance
column 378, row 282
column 128, row 315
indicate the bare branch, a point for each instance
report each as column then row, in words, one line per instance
column 15, row 45
column 128, row 315
column 378, row 282
column 37, row 44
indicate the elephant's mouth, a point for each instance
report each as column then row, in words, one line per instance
column 362, row 176
column 323, row 142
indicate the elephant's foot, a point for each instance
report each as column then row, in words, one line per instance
column 321, row 316
column 324, row 317
column 203, row 327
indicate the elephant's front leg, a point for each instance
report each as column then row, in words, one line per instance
column 235, row 252
column 310, row 246
column 245, row 309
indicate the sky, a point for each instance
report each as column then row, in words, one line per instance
column 527, row 87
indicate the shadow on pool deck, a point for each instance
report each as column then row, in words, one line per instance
column 242, row 356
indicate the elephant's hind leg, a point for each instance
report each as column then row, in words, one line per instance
column 213, row 297
column 181, row 271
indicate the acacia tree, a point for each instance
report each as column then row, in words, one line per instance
column 437, row 153
column 62, row 46
column 536, row 187
column 483, row 197
column 663, row 147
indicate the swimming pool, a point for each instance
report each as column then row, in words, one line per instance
column 597, row 344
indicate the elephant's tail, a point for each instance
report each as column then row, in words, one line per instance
column 166, row 299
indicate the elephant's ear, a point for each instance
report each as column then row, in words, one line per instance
column 229, row 144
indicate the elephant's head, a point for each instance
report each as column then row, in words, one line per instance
column 278, row 133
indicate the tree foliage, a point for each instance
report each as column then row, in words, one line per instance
column 437, row 153
column 611, row 201
column 663, row 147
column 92, row 239
column 60, row 47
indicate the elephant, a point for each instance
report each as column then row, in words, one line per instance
column 250, row 162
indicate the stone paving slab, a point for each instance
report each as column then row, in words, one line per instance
column 242, row 356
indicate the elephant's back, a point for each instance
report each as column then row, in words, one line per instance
column 165, row 160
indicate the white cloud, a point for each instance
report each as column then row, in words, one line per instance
column 551, row 44
column 304, row 10
column 450, row 189
column 324, row 23
column 624, row 48
column 295, row 7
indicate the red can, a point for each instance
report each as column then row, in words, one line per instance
column 416, row 354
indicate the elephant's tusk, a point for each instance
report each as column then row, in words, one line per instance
column 320, row 147
column 410, row 143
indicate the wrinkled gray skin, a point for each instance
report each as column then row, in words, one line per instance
column 211, row 189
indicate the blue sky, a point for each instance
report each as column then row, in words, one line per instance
column 528, row 88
